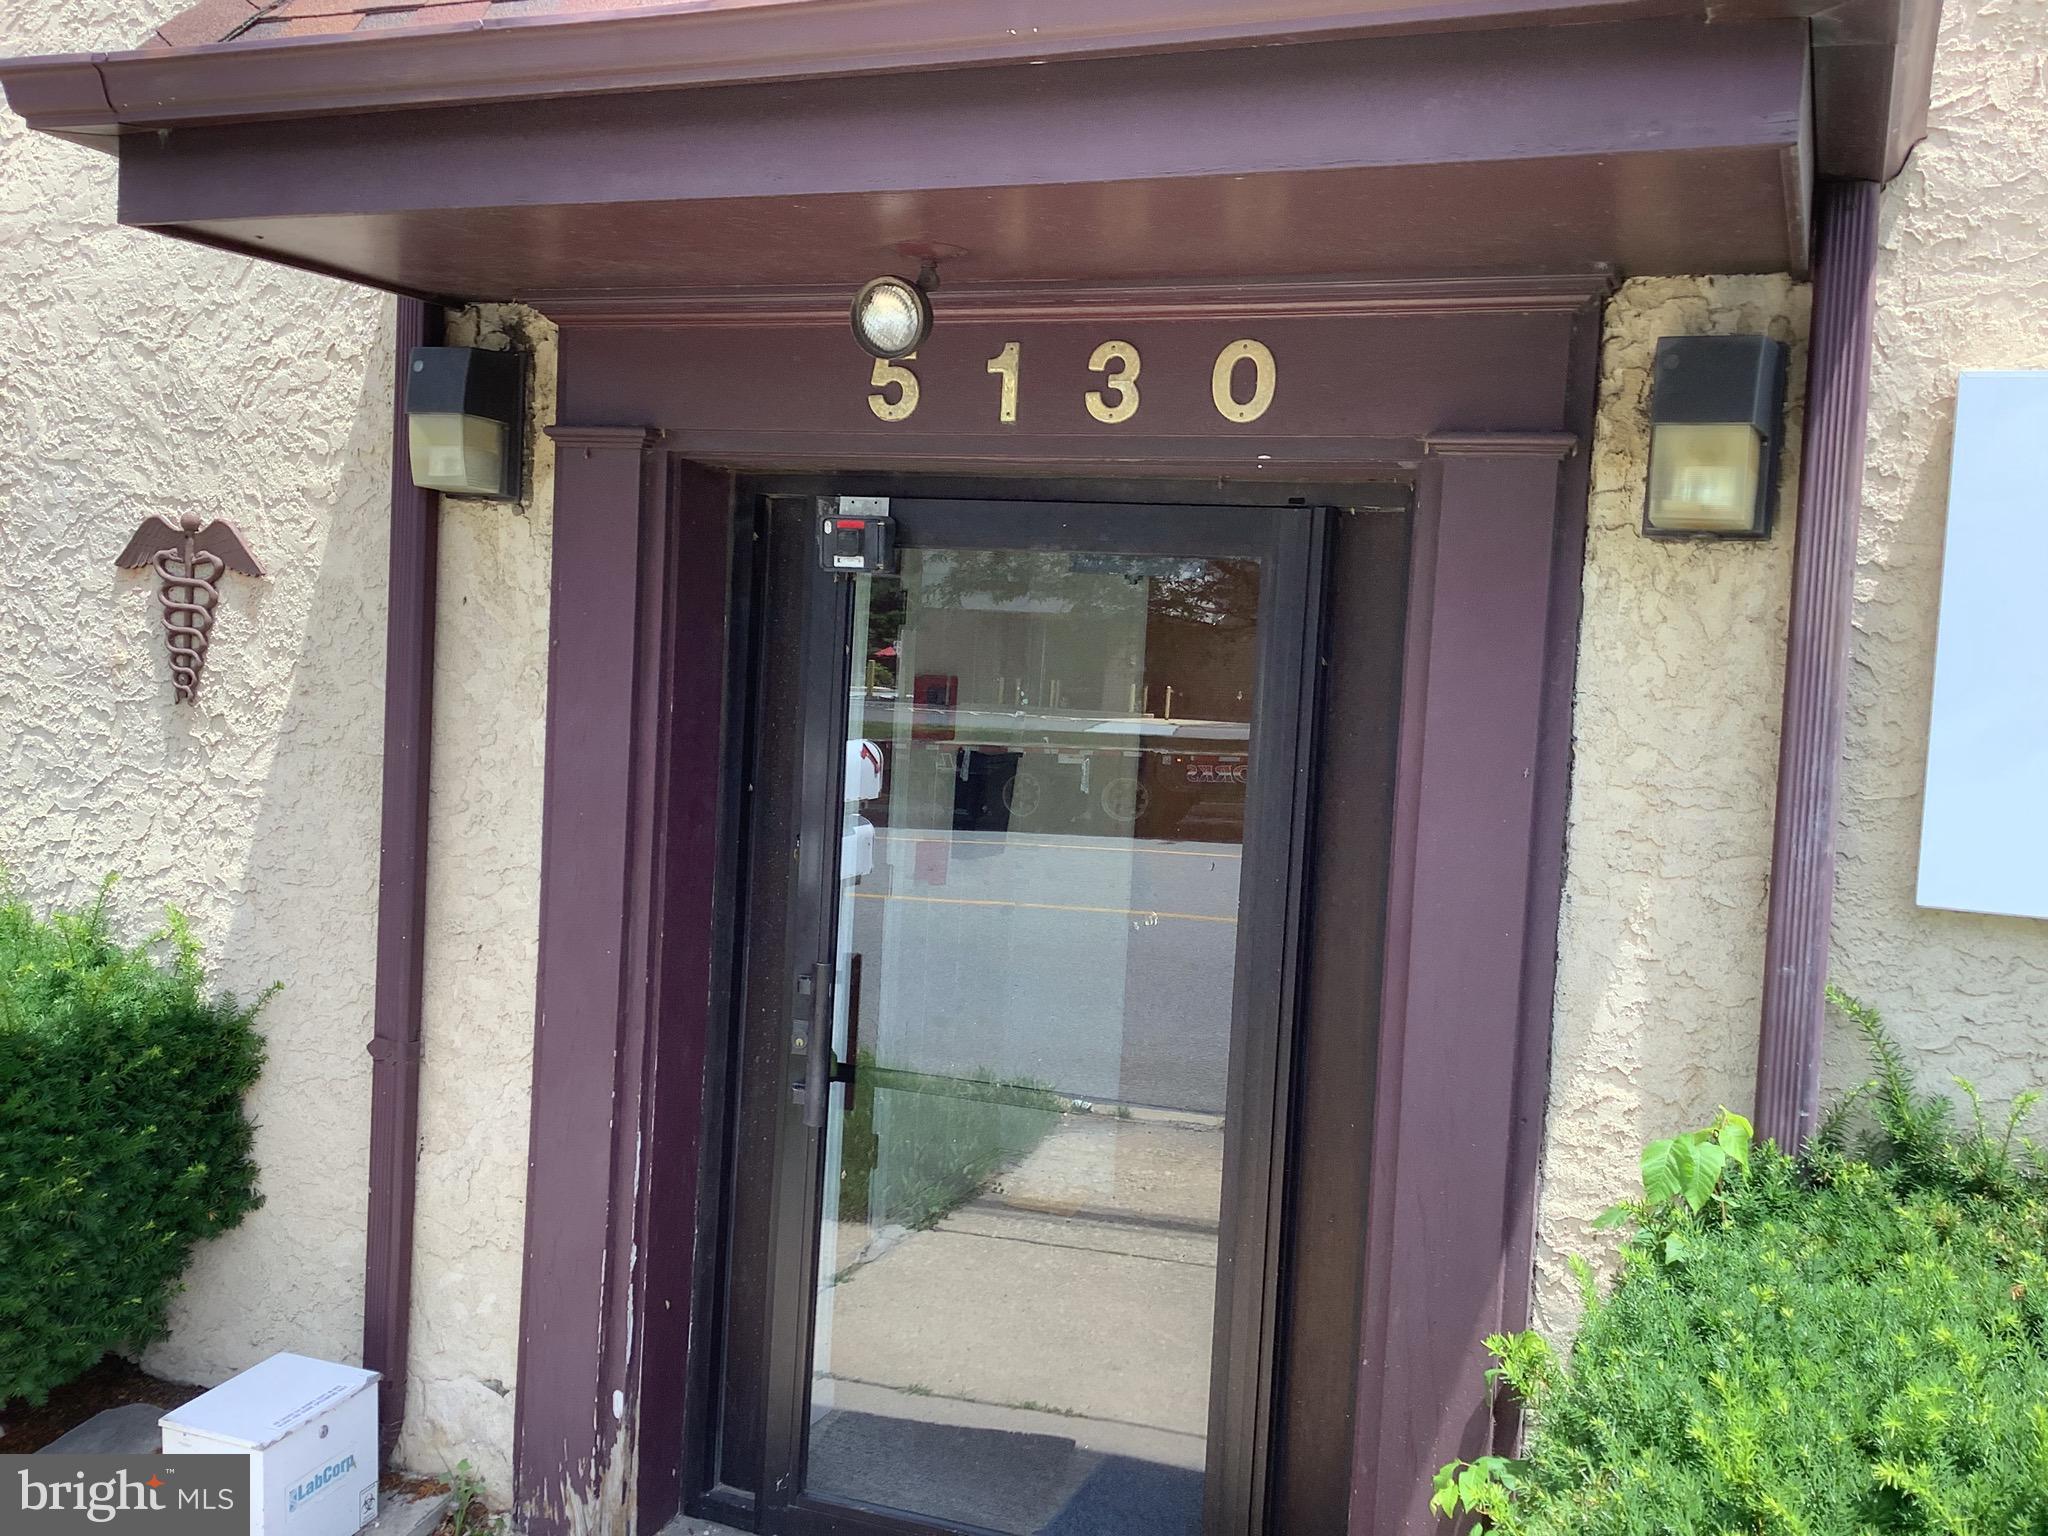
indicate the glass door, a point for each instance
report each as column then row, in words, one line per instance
column 1038, row 1033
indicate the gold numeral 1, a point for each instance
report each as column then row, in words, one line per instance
column 1122, row 385
column 1007, row 364
column 1222, row 381
column 885, row 374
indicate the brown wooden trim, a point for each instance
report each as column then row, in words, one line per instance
column 1817, row 666
column 1330, row 1194
column 1552, row 771
column 602, row 439
column 1471, row 925
column 1385, row 384
column 1495, row 445
column 1329, row 299
column 609, row 622
column 630, row 851
column 671, row 1127
column 1872, row 73
column 401, row 902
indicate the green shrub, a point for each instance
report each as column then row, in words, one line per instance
column 1852, row 1342
column 122, row 1137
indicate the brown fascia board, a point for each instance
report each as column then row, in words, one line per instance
column 1869, row 116
column 63, row 94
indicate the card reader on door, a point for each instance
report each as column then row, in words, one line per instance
column 856, row 535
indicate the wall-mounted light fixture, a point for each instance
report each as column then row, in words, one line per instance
column 892, row 315
column 1715, row 407
column 465, row 421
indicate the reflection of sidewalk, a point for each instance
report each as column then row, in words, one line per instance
column 1065, row 1310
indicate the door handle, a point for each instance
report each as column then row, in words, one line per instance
column 844, row 1071
column 813, row 1036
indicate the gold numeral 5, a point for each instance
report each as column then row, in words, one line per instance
column 1223, row 380
column 1117, row 400
column 887, row 373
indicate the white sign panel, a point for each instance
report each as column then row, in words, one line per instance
column 1984, row 821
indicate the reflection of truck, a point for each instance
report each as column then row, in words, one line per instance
column 1042, row 770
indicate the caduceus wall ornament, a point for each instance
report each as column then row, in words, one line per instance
column 189, row 555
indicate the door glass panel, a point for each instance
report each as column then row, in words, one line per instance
column 1038, row 906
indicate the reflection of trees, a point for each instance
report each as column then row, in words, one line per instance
column 888, row 605
column 1222, row 594
column 1216, row 593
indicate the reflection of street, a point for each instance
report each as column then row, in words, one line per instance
column 1099, row 967
column 1038, row 1360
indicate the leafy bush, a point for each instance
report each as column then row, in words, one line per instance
column 122, row 1137
column 1855, row 1341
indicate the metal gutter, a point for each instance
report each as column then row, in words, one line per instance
column 1869, row 89
column 401, row 903
column 1817, row 665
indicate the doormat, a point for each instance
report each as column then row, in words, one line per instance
column 1125, row 1497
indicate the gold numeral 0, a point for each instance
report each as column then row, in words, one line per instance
column 885, row 374
column 1122, row 385
column 1222, row 382
column 1007, row 364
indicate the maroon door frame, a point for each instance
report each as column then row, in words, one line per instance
column 1484, row 405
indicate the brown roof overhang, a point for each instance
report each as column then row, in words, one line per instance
column 1587, row 134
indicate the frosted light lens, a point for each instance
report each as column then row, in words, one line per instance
column 890, row 317
column 1703, row 477
column 458, row 455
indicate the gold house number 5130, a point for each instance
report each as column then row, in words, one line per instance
column 1241, row 383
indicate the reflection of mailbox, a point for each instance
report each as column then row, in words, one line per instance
column 931, row 693
column 863, row 782
column 863, row 770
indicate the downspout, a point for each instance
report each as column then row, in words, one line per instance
column 1817, row 665
column 401, row 903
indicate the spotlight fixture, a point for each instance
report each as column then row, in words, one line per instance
column 892, row 315
column 1715, row 407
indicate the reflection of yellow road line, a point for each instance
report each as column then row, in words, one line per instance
column 1126, row 847
column 1041, row 906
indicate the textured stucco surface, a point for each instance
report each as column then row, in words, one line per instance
column 143, row 375
column 483, row 895
column 1681, row 661
column 1962, row 283
column 1681, row 666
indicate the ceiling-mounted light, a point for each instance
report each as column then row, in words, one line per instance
column 1715, row 407
column 892, row 315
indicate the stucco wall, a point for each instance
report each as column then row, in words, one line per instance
column 1681, row 662
column 1681, row 666
column 144, row 376
column 483, row 939
column 1962, row 283
column 147, row 376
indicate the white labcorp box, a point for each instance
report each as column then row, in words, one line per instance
column 309, row 1429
